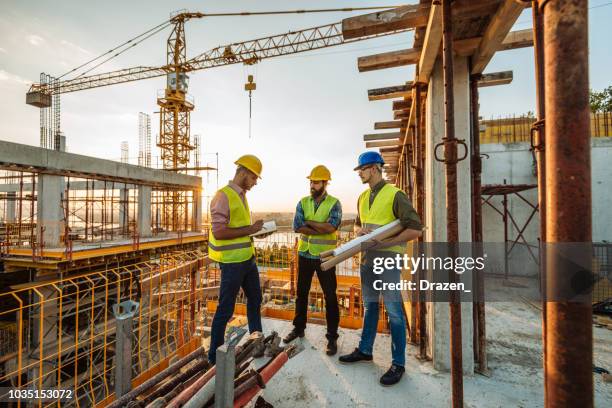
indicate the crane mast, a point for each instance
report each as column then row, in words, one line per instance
column 175, row 104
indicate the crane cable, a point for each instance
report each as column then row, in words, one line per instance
column 158, row 27
column 262, row 13
column 122, row 51
column 149, row 33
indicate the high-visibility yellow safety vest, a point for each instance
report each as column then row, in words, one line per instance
column 315, row 244
column 380, row 213
column 237, row 249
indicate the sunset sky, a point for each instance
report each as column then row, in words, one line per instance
column 308, row 109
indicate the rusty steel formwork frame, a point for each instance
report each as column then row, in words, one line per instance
column 452, row 212
column 537, row 146
column 568, row 325
column 562, row 120
column 419, row 140
column 478, row 312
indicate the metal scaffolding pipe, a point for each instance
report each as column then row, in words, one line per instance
column 537, row 145
column 266, row 374
column 480, row 336
column 190, row 391
column 176, row 381
column 420, row 207
column 568, row 330
column 452, row 212
column 204, row 394
column 156, row 379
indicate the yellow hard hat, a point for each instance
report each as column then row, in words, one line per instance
column 250, row 162
column 320, row 173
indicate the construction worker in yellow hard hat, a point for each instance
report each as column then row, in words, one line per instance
column 250, row 162
column 232, row 247
column 317, row 218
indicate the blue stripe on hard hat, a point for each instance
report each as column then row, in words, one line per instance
column 369, row 158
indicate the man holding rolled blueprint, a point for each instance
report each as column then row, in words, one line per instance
column 317, row 218
column 379, row 205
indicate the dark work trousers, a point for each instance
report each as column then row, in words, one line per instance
column 233, row 277
column 327, row 279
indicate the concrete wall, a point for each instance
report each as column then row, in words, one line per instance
column 601, row 181
column 514, row 163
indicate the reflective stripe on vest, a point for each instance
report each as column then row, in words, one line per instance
column 315, row 244
column 380, row 212
column 237, row 249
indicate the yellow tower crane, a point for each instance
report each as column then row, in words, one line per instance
column 175, row 103
column 175, row 107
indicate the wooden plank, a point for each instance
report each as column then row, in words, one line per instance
column 518, row 39
column 463, row 48
column 390, row 149
column 383, row 143
column 495, row 78
column 399, row 115
column 399, row 18
column 381, row 136
column 431, row 44
column 401, row 105
column 391, row 159
column 394, row 124
column 514, row 40
column 390, row 59
column 467, row 46
column 410, row 16
column 495, row 33
column 390, row 92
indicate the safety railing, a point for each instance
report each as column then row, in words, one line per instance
column 277, row 261
column 602, row 290
column 61, row 334
column 514, row 129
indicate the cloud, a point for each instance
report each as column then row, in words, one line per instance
column 7, row 76
column 35, row 40
column 76, row 47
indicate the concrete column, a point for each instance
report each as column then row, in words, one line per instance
column 435, row 218
column 11, row 206
column 49, row 209
column 196, row 211
column 124, row 195
column 143, row 222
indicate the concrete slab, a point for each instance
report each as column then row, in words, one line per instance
column 16, row 156
column 312, row 379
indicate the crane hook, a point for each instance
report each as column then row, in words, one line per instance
column 250, row 86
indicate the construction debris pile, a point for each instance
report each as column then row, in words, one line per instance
column 192, row 382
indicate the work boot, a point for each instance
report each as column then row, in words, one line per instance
column 392, row 376
column 355, row 357
column 332, row 347
column 294, row 334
